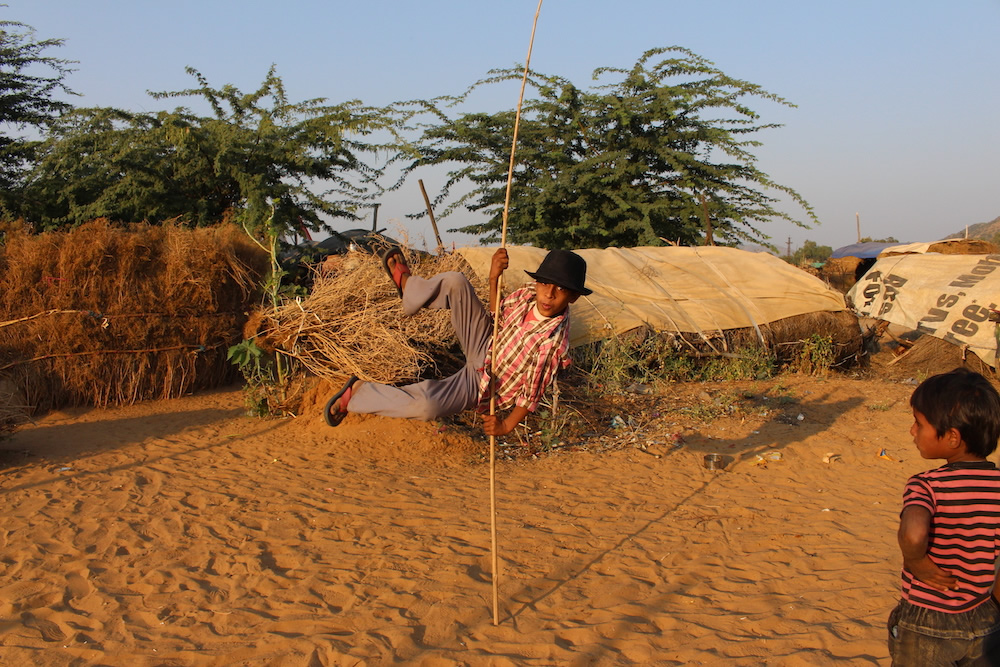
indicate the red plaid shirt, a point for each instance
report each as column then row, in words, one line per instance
column 529, row 354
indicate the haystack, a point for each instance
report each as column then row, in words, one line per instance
column 947, row 247
column 841, row 272
column 785, row 338
column 106, row 315
column 352, row 323
column 929, row 356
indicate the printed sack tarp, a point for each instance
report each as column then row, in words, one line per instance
column 946, row 296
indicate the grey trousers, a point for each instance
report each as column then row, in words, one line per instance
column 431, row 399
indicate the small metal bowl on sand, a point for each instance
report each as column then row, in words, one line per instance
column 715, row 462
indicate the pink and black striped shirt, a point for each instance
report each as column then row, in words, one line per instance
column 530, row 353
column 964, row 502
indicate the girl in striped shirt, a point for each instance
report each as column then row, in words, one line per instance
column 949, row 529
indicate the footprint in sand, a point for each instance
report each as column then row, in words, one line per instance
column 21, row 590
column 50, row 630
column 148, row 483
column 101, row 540
column 154, row 530
column 77, row 586
column 195, row 500
column 115, row 501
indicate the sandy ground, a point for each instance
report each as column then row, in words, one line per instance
column 183, row 532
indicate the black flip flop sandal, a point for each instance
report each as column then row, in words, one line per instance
column 335, row 419
column 392, row 252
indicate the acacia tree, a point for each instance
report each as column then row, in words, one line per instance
column 272, row 165
column 26, row 94
column 640, row 161
column 810, row 252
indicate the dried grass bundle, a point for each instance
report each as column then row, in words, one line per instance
column 787, row 336
column 930, row 355
column 840, row 272
column 105, row 315
column 352, row 324
column 956, row 247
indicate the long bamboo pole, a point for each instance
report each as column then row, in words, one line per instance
column 496, row 329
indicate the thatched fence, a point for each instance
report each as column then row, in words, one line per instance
column 106, row 315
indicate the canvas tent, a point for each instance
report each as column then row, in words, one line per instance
column 676, row 289
column 946, row 296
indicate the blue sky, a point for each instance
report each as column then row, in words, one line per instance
column 897, row 100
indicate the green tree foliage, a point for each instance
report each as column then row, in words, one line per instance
column 272, row 165
column 28, row 81
column 811, row 252
column 638, row 161
column 888, row 239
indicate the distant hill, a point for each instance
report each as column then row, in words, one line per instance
column 987, row 231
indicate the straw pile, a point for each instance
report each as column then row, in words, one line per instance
column 352, row 324
column 957, row 247
column 787, row 337
column 106, row 315
column 929, row 355
column 841, row 272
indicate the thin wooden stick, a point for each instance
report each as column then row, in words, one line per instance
column 430, row 212
column 67, row 355
column 496, row 329
column 42, row 314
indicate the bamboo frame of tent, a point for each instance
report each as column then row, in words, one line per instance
column 496, row 328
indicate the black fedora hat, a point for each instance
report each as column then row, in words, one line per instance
column 563, row 268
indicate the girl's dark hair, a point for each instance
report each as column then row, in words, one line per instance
column 963, row 400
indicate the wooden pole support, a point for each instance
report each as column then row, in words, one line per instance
column 430, row 212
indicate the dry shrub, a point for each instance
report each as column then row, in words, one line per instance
column 352, row 323
column 788, row 336
column 785, row 338
column 811, row 343
column 105, row 315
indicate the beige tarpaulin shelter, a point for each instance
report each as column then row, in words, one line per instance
column 677, row 289
column 946, row 296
